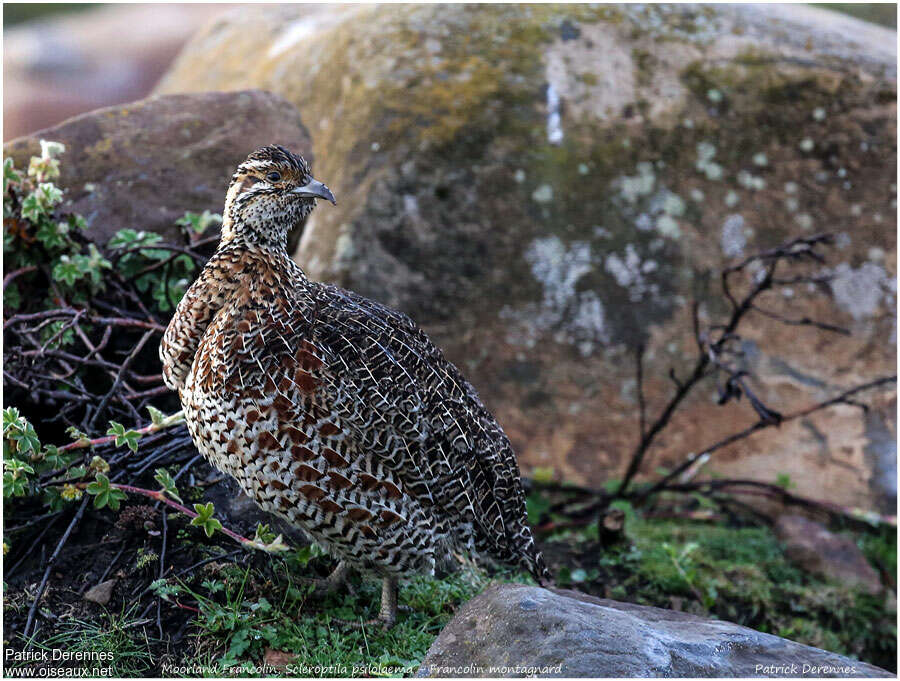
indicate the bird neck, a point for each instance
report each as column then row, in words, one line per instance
column 261, row 255
column 242, row 232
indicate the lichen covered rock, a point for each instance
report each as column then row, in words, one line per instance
column 545, row 187
column 143, row 165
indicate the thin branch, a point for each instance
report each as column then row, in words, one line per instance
column 642, row 404
column 843, row 398
column 50, row 564
column 17, row 273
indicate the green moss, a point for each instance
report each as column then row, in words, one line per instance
column 742, row 575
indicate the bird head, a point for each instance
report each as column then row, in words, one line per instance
column 272, row 191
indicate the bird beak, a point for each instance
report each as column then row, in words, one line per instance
column 315, row 189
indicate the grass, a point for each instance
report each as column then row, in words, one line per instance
column 257, row 618
column 90, row 643
column 245, row 612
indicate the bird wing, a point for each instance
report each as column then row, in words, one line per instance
column 408, row 406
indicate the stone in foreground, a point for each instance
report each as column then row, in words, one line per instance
column 564, row 633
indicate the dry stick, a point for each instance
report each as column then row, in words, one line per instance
column 11, row 571
column 761, row 425
column 642, row 404
column 15, row 273
column 71, row 312
column 162, row 568
column 120, row 376
column 803, row 321
column 769, row 489
column 50, row 563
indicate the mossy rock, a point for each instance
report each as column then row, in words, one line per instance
column 544, row 187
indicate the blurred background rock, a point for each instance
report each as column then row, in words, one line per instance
column 62, row 60
column 544, row 188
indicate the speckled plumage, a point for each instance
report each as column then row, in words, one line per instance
column 331, row 410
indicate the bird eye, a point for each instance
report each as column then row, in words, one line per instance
column 273, row 176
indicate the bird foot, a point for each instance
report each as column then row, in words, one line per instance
column 329, row 585
column 321, row 587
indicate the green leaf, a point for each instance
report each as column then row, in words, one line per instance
column 104, row 493
column 10, row 175
column 12, row 297
column 98, row 465
column 76, row 472
column 307, row 553
column 263, row 535
column 199, row 223
column 66, row 270
column 167, row 482
column 54, row 235
column 212, row 586
column 12, row 419
column 124, row 437
column 156, row 416
column 163, row 589
column 54, row 458
column 77, row 222
column 32, row 209
column 130, row 238
column 204, row 518
column 784, row 480
column 77, row 435
column 20, row 433
column 15, row 478
column 13, row 486
column 48, row 194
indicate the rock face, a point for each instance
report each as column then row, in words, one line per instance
column 815, row 549
column 144, row 164
column 567, row 634
column 545, row 187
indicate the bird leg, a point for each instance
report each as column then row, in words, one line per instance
column 387, row 616
column 331, row 583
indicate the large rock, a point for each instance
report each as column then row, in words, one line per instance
column 144, row 164
column 512, row 630
column 545, row 187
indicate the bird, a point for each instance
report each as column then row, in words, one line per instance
column 335, row 412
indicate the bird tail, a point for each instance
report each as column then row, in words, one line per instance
column 533, row 561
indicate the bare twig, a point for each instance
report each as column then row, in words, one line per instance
column 713, row 344
column 59, row 546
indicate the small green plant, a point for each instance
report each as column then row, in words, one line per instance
column 39, row 232
column 145, row 557
column 104, row 494
column 204, row 518
column 24, row 457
